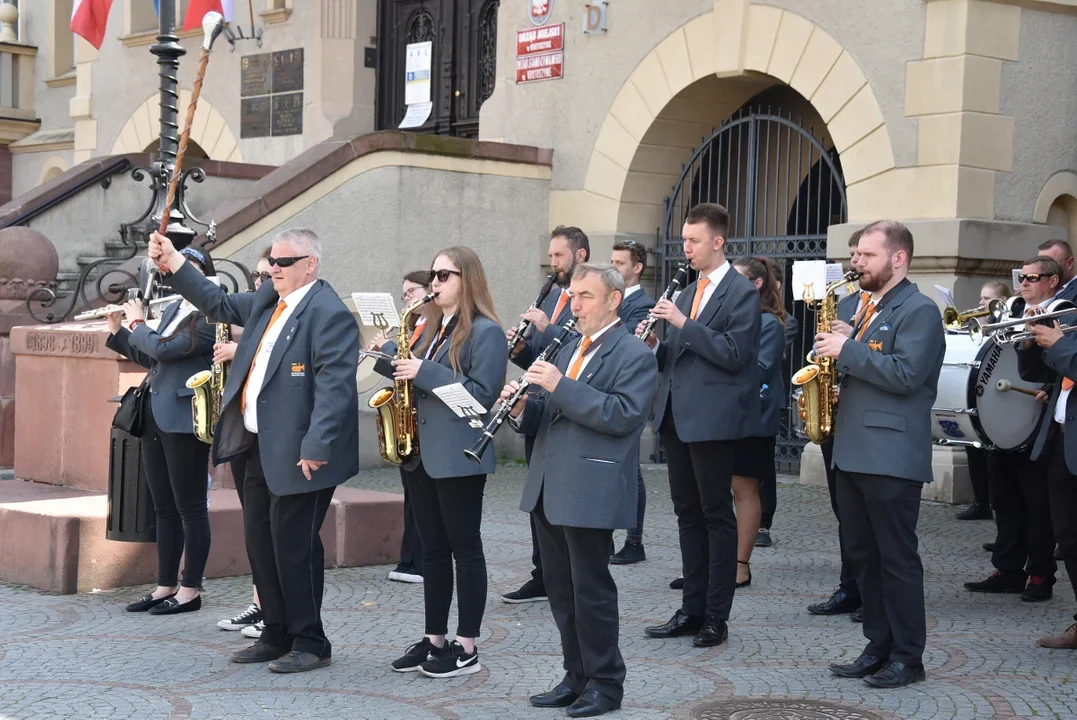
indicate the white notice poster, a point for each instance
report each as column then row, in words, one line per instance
column 417, row 84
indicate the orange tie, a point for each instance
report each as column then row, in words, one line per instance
column 700, row 287
column 574, row 371
column 416, row 334
column 243, row 392
column 1067, row 384
column 869, row 312
column 560, row 306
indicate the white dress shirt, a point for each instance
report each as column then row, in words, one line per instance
column 444, row 323
column 185, row 309
column 588, row 356
column 715, row 277
column 634, row 288
column 261, row 360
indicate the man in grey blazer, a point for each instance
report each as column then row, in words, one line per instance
column 291, row 407
column 708, row 399
column 889, row 366
column 581, row 482
column 569, row 246
column 1061, row 252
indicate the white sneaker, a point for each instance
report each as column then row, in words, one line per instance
column 405, row 577
column 254, row 631
column 248, row 617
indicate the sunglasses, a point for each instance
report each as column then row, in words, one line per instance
column 441, row 275
column 1033, row 277
column 263, row 276
column 286, row 261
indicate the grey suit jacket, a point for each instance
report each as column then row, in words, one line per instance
column 772, row 396
column 709, row 367
column 308, row 406
column 170, row 362
column 537, row 341
column 443, row 437
column 635, row 309
column 888, row 385
column 587, row 436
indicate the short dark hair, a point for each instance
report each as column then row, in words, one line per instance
column 419, row 277
column 1067, row 251
column 898, row 236
column 716, row 217
column 1048, row 265
column 638, row 250
column 855, row 237
column 577, row 239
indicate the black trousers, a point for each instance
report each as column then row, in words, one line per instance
column 448, row 516
column 700, row 483
column 239, row 472
column 536, row 554
column 879, row 525
column 1062, row 485
column 636, row 533
column 768, row 496
column 176, row 473
column 981, row 489
column 287, row 558
column 583, row 600
column 411, row 545
column 847, row 579
column 1020, row 499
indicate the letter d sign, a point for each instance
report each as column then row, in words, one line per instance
column 594, row 18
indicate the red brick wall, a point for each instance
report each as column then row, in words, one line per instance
column 5, row 174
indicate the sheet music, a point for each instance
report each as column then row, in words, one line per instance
column 810, row 274
column 376, row 309
column 460, row 401
column 834, row 273
column 946, row 296
column 1016, row 282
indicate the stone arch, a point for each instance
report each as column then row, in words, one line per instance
column 209, row 130
column 54, row 165
column 740, row 48
column 1057, row 203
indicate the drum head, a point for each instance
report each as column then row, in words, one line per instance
column 1007, row 418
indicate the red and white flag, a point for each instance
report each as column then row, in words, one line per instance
column 88, row 20
column 197, row 9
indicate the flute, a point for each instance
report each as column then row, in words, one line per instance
column 475, row 453
column 678, row 281
column 525, row 324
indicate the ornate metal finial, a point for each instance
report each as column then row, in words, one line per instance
column 212, row 27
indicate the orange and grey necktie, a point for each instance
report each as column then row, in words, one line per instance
column 243, row 393
column 869, row 312
column 560, row 306
column 701, row 286
column 574, row 371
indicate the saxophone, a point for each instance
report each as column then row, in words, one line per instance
column 816, row 380
column 208, row 387
column 397, row 439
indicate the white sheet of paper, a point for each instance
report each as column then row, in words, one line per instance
column 945, row 295
column 834, row 273
column 809, row 273
column 416, row 115
column 376, row 309
column 1016, row 282
column 460, row 401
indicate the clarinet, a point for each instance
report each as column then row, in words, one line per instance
column 678, row 281
column 475, row 453
column 526, row 324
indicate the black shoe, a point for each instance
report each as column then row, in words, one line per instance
column 1037, row 590
column 259, row 652
column 975, row 511
column 679, row 625
column 147, row 602
column 560, row 696
column 171, row 606
column 858, row 615
column 896, row 674
column 998, row 582
column 676, row 584
column 989, row 547
column 838, row 604
column 632, row 552
column 415, row 656
column 714, row 632
column 747, row 582
column 298, row 661
column 453, row 661
column 763, row 539
column 531, row 591
column 592, row 703
column 862, row 667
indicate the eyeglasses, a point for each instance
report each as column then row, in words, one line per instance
column 263, row 276
column 407, row 294
column 441, row 275
column 286, row 261
column 1033, row 277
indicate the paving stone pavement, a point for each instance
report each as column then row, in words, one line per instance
column 84, row 657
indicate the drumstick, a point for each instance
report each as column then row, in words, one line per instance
column 1006, row 385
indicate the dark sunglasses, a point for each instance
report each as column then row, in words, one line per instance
column 441, row 275
column 286, row 261
column 1033, row 277
column 263, row 276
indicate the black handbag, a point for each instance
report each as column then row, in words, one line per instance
column 128, row 417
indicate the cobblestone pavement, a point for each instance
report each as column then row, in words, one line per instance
column 84, row 657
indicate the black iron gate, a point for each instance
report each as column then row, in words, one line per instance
column 783, row 187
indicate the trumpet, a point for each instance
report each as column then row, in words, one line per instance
column 953, row 319
column 1015, row 330
column 109, row 309
column 476, row 451
column 524, row 325
column 677, row 282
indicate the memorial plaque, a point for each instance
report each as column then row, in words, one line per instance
column 288, row 114
column 254, row 117
column 287, row 71
column 255, row 76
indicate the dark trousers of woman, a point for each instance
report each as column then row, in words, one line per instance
column 768, row 492
column 977, row 460
column 448, row 515
column 411, row 545
column 176, row 469
column 636, row 533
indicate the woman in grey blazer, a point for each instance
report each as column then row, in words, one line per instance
column 176, row 461
column 754, row 463
column 462, row 342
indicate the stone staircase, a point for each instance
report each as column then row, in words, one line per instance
column 111, row 249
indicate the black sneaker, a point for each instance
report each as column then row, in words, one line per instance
column 632, row 552
column 248, row 617
column 975, row 511
column 1037, row 590
column 998, row 582
column 416, row 655
column 531, row 591
column 453, row 661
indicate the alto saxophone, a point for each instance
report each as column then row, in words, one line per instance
column 208, row 387
column 817, row 379
column 397, row 439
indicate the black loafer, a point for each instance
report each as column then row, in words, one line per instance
column 838, row 604
column 862, row 667
column 714, row 632
column 560, row 696
column 679, row 625
column 146, row 603
column 676, row 584
column 259, row 652
column 897, row 674
column 592, row 703
column 298, row 661
column 172, row 607
column 858, row 615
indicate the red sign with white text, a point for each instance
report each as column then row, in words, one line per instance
column 550, row 66
column 540, row 40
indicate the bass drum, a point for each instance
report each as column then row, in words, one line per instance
column 978, row 402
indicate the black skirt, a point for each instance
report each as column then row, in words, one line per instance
column 754, row 457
